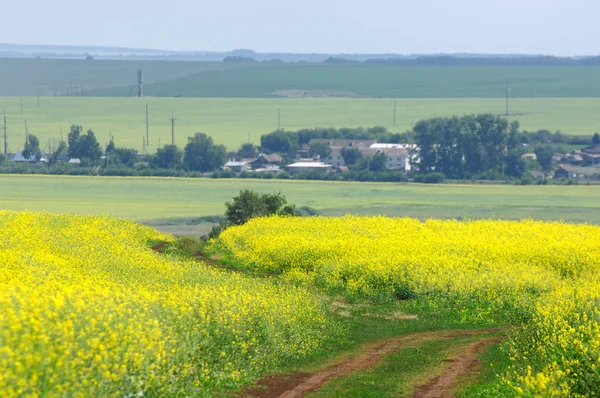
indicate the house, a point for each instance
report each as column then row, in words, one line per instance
column 397, row 157
column 566, row 171
column 74, row 162
column 538, row 175
column 574, row 158
column 266, row 160
column 19, row 158
column 237, row 166
column 301, row 167
column 531, row 156
column 590, row 159
column 339, row 143
column 557, row 158
column 268, row 169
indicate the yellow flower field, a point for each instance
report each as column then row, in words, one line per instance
column 87, row 309
column 540, row 276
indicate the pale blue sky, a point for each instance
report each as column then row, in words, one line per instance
column 558, row 27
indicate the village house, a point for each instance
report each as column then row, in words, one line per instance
column 566, row 171
column 237, row 166
column 302, row 167
column 263, row 161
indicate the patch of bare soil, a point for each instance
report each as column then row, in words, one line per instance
column 300, row 384
column 441, row 386
column 316, row 94
column 159, row 247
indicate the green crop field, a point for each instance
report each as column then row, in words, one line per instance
column 234, row 121
column 47, row 77
column 383, row 81
column 30, row 77
column 160, row 198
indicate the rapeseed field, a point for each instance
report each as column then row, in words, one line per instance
column 541, row 277
column 87, row 310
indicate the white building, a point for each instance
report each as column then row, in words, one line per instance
column 301, row 167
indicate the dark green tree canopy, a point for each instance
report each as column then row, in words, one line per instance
column 83, row 146
column 125, row 156
column 350, row 155
column 280, row 141
column 201, row 154
column 249, row 204
column 247, row 151
column 168, row 157
column 596, row 139
column 320, row 149
column 462, row 147
column 32, row 147
column 374, row 163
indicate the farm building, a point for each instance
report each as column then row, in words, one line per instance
column 266, row 160
column 237, row 166
column 566, row 171
column 301, row 167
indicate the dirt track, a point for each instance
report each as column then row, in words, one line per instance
column 300, row 384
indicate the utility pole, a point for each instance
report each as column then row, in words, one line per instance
column 147, row 137
column 26, row 130
column 5, row 138
column 507, row 91
column 394, row 112
column 172, row 130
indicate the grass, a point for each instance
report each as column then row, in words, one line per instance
column 399, row 374
column 160, row 198
column 235, row 121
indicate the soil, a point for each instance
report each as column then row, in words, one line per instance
column 300, row 384
column 466, row 363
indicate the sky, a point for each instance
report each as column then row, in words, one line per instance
column 554, row 27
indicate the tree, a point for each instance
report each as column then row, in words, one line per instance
column 375, row 163
column 544, row 154
column 350, row 155
column 280, row 141
column 110, row 147
column 320, row 149
column 32, row 148
column 249, row 204
column 60, row 153
column 83, row 146
column 596, row 139
column 201, row 154
column 72, row 140
column 168, row 157
column 247, row 151
column 125, row 156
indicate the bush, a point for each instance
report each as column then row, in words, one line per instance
column 430, row 178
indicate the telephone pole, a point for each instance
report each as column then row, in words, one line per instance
column 172, row 130
column 147, row 137
column 5, row 139
column 278, row 118
column 507, row 91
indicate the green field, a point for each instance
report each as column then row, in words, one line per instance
column 30, row 77
column 232, row 121
column 383, row 81
column 45, row 77
column 160, row 198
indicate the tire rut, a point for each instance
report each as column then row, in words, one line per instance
column 294, row 385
